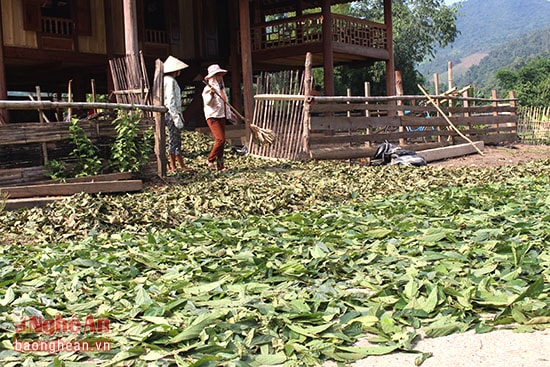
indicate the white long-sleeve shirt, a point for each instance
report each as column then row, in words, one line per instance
column 172, row 97
column 214, row 105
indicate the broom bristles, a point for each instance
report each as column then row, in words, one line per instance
column 262, row 136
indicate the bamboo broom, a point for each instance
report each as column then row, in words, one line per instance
column 260, row 135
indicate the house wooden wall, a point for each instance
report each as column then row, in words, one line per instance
column 15, row 34
column 96, row 42
column 12, row 26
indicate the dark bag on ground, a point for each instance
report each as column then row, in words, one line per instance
column 392, row 154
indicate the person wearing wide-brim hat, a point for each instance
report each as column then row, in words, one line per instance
column 174, row 118
column 216, row 112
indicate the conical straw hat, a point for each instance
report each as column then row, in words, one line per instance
column 172, row 64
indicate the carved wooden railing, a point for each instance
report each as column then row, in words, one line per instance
column 57, row 26
column 354, row 31
column 309, row 28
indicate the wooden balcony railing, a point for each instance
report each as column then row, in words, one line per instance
column 57, row 26
column 308, row 29
column 358, row 32
column 156, row 36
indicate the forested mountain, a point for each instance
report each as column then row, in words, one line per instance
column 486, row 25
column 512, row 55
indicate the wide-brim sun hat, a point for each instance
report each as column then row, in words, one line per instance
column 213, row 70
column 173, row 64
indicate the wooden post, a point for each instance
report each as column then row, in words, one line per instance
column 466, row 105
column 328, row 56
column 437, row 102
column 450, row 83
column 400, row 112
column 367, row 112
column 307, row 92
column 390, row 64
column 160, row 129
column 450, row 74
column 436, row 83
column 130, row 27
column 246, row 60
column 514, row 104
column 234, row 60
column 4, row 114
column 41, row 119
column 494, row 95
column 348, row 114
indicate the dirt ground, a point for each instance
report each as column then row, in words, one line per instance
column 499, row 348
column 494, row 156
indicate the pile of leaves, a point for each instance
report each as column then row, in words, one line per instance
column 282, row 263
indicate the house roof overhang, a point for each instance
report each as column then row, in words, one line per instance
column 271, row 7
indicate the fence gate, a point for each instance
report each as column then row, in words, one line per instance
column 130, row 80
column 278, row 105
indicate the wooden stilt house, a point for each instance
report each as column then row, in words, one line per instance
column 49, row 42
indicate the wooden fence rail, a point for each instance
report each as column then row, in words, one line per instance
column 338, row 124
column 22, row 159
column 340, row 127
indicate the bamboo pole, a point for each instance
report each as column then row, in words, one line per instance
column 69, row 99
column 160, row 128
column 49, row 105
column 307, row 93
column 42, row 117
column 448, row 120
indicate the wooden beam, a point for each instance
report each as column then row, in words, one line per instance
column 4, row 115
column 328, row 52
column 357, row 152
column 390, row 64
column 246, row 60
column 49, row 105
column 452, row 151
column 15, row 204
column 130, row 27
column 66, row 189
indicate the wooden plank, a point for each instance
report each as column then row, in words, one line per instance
column 494, row 139
column 60, row 189
column 27, row 133
column 14, row 176
column 482, row 109
column 14, row 204
column 22, row 176
column 353, row 122
column 117, row 176
column 452, row 151
column 359, row 152
column 375, row 138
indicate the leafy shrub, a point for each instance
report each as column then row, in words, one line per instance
column 85, row 152
column 57, row 170
column 131, row 149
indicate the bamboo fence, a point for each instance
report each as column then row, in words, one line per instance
column 278, row 106
column 534, row 125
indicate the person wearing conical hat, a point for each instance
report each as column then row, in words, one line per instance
column 216, row 112
column 174, row 118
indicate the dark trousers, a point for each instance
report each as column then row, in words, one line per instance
column 217, row 127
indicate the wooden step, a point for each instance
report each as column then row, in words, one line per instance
column 66, row 189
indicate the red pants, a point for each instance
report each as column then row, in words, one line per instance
column 217, row 127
